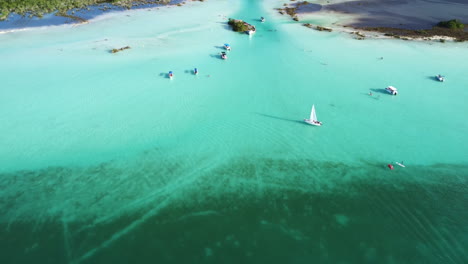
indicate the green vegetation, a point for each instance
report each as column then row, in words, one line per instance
column 239, row 25
column 41, row 7
column 427, row 34
column 319, row 28
column 292, row 11
column 452, row 24
column 117, row 50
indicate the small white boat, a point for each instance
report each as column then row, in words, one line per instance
column 224, row 56
column 251, row 32
column 313, row 118
column 391, row 90
column 195, row 71
column 440, row 78
column 262, row 19
column 171, row 75
column 227, row 47
column 400, row 164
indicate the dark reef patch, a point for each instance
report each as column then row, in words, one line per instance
column 247, row 210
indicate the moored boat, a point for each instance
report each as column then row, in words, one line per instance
column 440, row 78
column 252, row 30
column 224, row 55
column 313, row 118
column 391, row 90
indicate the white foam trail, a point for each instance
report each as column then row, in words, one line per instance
column 116, row 236
column 173, row 190
column 67, row 240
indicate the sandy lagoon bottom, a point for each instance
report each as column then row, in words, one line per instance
column 112, row 162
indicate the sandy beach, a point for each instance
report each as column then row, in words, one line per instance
column 402, row 19
column 408, row 14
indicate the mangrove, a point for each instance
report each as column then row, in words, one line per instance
column 238, row 25
column 117, row 50
column 38, row 8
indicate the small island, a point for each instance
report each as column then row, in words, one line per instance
column 238, row 25
column 117, row 50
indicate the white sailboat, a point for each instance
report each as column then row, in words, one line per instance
column 313, row 118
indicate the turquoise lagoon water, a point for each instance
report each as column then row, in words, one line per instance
column 106, row 160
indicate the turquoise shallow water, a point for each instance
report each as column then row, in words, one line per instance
column 106, row 160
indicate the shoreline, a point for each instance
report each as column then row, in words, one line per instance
column 17, row 22
column 364, row 20
column 383, row 33
column 298, row 11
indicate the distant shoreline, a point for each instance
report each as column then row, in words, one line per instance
column 396, row 19
column 40, row 8
column 15, row 21
column 363, row 19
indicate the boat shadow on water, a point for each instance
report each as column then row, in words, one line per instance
column 283, row 119
column 190, row 71
column 379, row 90
column 164, row 74
column 216, row 56
column 225, row 25
column 433, row 78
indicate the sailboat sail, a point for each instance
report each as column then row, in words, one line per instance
column 313, row 116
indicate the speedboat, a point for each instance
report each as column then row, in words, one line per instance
column 227, row 47
column 223, row 55
column 262, row 19
column 171, row 75
column 195, row 71
column 391, row 90
column 440, row 78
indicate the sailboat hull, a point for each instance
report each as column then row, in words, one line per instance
column 311, row 122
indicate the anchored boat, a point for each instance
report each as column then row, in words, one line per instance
column 391, row 90
column 313, row 118
column 223, row 55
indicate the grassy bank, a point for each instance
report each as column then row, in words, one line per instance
column 40, row 7
column 456, row 34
